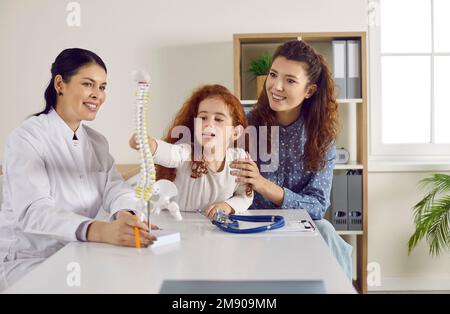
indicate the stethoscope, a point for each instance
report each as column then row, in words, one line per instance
column 230, row 223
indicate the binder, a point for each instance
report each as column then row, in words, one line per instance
column 340, row 67
column 339, row 202
column 353, row 69
column 354, row 190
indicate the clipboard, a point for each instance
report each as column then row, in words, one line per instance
column 299, row 225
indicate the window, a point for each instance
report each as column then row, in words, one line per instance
column 409, row 74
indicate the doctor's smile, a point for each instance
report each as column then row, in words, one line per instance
column 82, row 95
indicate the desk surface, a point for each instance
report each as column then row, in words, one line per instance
column 204, row 253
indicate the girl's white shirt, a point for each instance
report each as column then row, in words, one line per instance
column 197, row 194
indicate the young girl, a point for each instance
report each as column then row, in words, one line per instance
column 200, row 166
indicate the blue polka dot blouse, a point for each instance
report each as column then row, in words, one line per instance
column 302, row 189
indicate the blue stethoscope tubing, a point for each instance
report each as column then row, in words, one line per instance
column 232, row 224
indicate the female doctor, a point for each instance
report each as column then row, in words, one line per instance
column 58, row 174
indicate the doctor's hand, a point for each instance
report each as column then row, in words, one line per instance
column 126, row 212
column 212, row 209
column 121, row 231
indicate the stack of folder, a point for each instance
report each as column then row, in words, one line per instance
column 347, row 68
column 346, row 201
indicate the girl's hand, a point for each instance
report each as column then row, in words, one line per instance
column 133, row 143
column 247, row 172
column 211, row 210
column 121, row 231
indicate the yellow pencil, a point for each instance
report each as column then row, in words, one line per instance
column 138, row 240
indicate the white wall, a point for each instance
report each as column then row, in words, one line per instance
column 181, row 43
column 391, row 199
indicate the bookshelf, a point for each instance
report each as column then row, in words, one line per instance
column 350, row 232
column 353, row 112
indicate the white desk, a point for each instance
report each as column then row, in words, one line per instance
column 204, row 253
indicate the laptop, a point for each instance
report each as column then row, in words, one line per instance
column 242, row 287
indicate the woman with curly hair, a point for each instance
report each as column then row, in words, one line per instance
column 298, row 98
column 209, row 123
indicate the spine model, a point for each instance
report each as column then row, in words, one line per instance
column 147, row 177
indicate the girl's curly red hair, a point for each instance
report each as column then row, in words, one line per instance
column 186, row 116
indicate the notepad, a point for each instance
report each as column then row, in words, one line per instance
column 165, row 237
column 296, row 226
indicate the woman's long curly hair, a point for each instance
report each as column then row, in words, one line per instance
column 320, row 111
column 186, row 116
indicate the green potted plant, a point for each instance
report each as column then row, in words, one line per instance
column 259, row 68
column 432, row 215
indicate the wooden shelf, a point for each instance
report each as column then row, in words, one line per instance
column 249, row 102
column 350, row 232
column 127, row 170
column 350, row 101
column 348, row 166
column 354, row 112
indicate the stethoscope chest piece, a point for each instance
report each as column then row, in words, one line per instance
column 230, row 223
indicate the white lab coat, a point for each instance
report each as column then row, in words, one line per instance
column 52, row 185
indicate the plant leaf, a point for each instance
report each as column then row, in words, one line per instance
column 261, row 65
column 431, row 216
column 438, row 234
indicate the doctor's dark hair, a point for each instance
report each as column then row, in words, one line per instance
column 67, row 64
column 319, row 112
